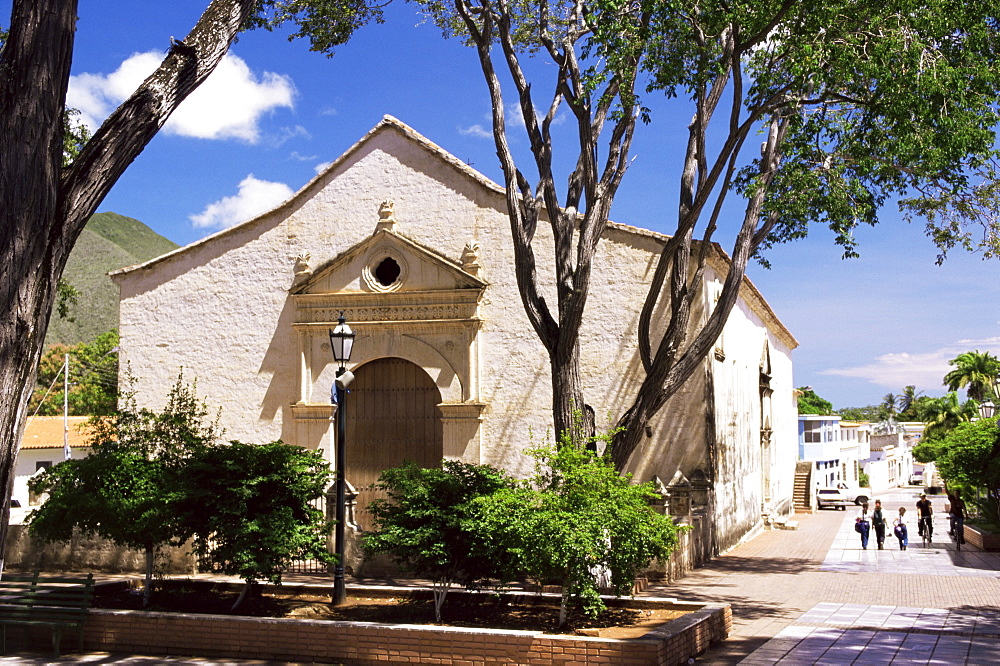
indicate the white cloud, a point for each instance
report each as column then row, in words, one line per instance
column 228, row 105
column 515, row 118
column 321, row 167
column 923, row 370
column 476, row 130
column 255, row 196
column 285, row 134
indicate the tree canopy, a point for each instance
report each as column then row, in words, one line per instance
column 857, row 104
column 93, row 377
column 977, row 372
column 127, row 489
column 810, row 403
column 575, row 519
column 250, row 508
column 428, row 524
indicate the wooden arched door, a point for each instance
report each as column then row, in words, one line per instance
column 392, row 416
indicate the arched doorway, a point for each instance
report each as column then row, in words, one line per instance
column 392, row 416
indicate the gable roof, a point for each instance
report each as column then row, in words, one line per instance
column 386, row 124
column 751, row 294
column 46, row 432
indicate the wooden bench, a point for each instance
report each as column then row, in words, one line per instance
column 59, row 603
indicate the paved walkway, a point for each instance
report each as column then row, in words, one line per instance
column 813, row 596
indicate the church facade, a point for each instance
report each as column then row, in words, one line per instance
column 414, row 248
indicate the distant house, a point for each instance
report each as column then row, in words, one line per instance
column 834, row 448
column 414, row 247
column 891, row 461
column 43, row 446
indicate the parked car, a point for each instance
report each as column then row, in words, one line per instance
column 842, row 496
column 917, row 478
column 831, row 497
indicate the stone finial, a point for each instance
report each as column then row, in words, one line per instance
column 386, row 216
column 302, row 270
column 470, row 258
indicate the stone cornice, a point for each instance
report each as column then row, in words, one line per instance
column 458, row 305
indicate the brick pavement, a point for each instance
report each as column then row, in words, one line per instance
column 775, row 579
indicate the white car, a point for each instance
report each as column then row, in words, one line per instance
column 841, row 497
column 831, row 497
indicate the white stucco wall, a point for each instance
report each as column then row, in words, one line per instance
column 222, row 310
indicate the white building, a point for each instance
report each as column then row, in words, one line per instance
column 835, row 448
column 414, row 247
column 43, row 447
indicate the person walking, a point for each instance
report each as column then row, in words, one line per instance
column 878, row 524
column 956, row 515
column 862, row 524
column 899, row 528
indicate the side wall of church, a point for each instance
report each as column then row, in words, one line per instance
column 745, row 484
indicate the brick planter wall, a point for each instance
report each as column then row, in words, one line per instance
column 987, row 541
column 288, row 639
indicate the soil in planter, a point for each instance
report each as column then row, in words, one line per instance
column 486, row 612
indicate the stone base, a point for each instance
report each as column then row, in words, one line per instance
column 298, row 640
column 981, row 539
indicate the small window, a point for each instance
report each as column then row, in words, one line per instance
column 387, row 272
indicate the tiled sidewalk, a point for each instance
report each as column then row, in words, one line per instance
column 965, row 630
column 941, row 558
column 781, row 581
column 832, row 633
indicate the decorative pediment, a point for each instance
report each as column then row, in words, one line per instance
column 390, row 278
column 388, row 263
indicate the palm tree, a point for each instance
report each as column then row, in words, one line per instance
column 976, row 372
column 908, row 398
column 888, row 407
column 943, row 414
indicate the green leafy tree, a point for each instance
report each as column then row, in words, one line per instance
column 428, row 524
column 970, row 455
column 869, row 413
column 857, row 104
column 51, row 184
column 93, row 376
column 128, row 488
column 976, row 372
column 810, row 403
column 575, row 518
column 250, row 507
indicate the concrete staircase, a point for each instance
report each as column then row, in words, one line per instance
column 801, row 491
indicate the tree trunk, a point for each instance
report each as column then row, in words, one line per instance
column 43, row 206
column 147, row 589
column 570, row 414
column 34, row 74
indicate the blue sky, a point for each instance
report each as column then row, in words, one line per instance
column 276, row 112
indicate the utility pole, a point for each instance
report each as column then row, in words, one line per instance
column 66, row 450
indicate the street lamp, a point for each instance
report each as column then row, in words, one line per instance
column 987, row 409
column 341, row 344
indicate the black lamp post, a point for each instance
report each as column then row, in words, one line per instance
column 341, row 343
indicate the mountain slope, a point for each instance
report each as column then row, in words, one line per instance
column 108, row 242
